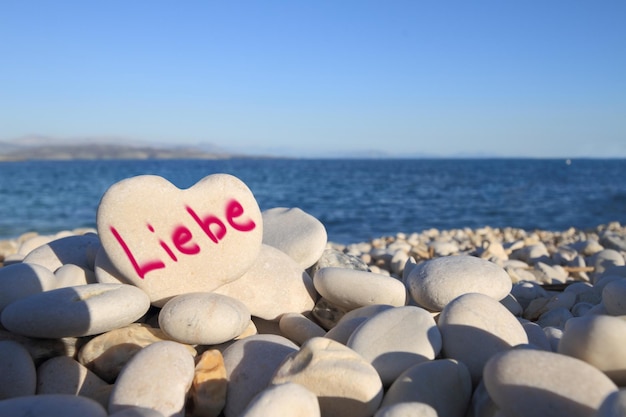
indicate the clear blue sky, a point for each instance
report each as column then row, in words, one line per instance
column 540, row 78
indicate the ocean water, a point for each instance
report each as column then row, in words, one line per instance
column 356, row 200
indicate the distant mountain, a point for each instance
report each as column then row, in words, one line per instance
column 45, row 148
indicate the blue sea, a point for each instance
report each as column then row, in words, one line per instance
column 356, row 200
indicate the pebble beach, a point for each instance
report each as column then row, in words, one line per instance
column 212, row 307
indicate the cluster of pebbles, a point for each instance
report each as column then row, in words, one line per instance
column 468, row 323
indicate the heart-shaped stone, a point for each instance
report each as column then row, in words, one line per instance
column 169, row 241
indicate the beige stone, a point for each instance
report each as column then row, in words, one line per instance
column 157, row 377
column 169, row 241
column 528, row 382
column 207, row 395
column 274, row 285
column 108, row 353
column 346, row 385
column 295, row 232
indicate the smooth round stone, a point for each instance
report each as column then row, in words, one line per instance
column 482, row 405
column 64, row 375
column 105, row 271
column 352, row 319
column 474, row 327
column 366, row 311
column 599, row 341
column 350, row 289
column 614, row 405
column 433, row 284
column 51, row 405
column 295, row 232
column 604, row 260
column 536, row 336
column 554, row 335
column 274, row 285
column 76, row 311
column 203, row 318
column 157, row 377
column 343, row 330
column 169, row 241
column 285, row 399
column 444, row 384
column 31, row 243
column 526, row 382
column 408, row 409
column 614, row 297
column 70, row 275
column 345, row 384
column 78, row 250
column 250, row 365
column 397, row 339
column 296, row 327
column 108, row 353
column 18, row 377
column 21, row 280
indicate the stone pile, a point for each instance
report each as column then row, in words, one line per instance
column 195, row 303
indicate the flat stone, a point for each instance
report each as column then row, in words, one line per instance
column 64, row 375
column 78, row 250
column 157, row 377
column 528, row 382
column 274, row 285
column 444, row 384
column 76, row 311
column 346, row 384
column 169, row 241
column 474, row 327
column 296, row 233
column 52, row 405
column 614, row 297
column 599, row 341
column 207, row 396
column 21, row 280
column 203, row 318
column 396, row 339
column 108, row 353
column 285, row 399
column 250, row 365
column 433, row 284
column 18, row 377
column 350, row 289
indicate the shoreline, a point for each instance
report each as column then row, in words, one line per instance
column 544, row 256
